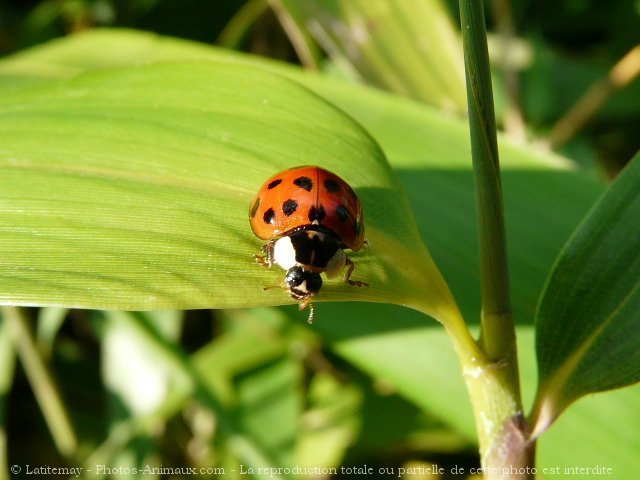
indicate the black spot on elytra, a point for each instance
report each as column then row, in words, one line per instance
column 342, row 213
column 269, row 216
column 331, row 185
column 304, row 182
column 289, row 206
column 254, row 207
column 274, row 183
column 316, row 213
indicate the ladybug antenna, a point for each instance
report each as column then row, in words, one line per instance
column 311, row 312
column 307, row 303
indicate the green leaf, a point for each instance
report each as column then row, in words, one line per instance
column 615, row 413
column 587, row 321
column 129, row 189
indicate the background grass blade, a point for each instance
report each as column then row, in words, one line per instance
column 408, row 47
column 42, row 382
column 7, row 368
column 587, row 322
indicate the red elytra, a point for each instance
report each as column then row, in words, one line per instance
column 305, row 196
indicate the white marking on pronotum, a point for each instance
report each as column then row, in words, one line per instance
column 284, row 254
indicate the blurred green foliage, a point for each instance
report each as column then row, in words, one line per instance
column 294, row 394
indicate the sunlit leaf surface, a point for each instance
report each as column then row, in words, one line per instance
column 130, row 189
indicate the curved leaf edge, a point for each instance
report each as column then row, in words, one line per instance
column 551, row 398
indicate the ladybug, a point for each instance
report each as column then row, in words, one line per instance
column 309, row 216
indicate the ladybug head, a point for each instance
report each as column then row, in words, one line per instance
column 302, row 283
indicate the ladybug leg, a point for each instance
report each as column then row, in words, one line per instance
column 304, row 303
column 347, row 276
column 266, row 260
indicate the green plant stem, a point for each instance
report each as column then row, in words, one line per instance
column 41, row 382
column 496, row 301
column 494, row 388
